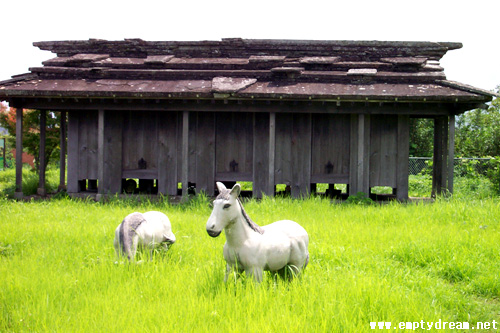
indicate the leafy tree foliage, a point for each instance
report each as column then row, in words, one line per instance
column 421, row 137
column 478, row 132
column 31, row 132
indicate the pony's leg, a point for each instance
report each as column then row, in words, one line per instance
column 116, row 244
column 226, row 274
column 133, row 248
column 256, row 273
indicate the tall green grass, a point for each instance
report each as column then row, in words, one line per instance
column 30, row 181
column 391, row 262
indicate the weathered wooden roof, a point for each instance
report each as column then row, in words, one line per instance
column 244, row 69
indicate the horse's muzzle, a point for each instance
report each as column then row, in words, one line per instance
column 213, row 233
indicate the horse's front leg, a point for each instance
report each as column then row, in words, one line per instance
column 226, row 274
column 256, row 273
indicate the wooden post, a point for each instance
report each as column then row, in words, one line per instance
column 62, row 153
column 451, row 153
column 73, row 151
column 403, row 154
column 272, row 152
column 167, row 154
column 4, row 146
column 301, row 155
column 359, row 177
column 439, row 167
column 205, row 153
column 18, row 194
column 185, row 154
column 109, row 159
column 437, row 158
column 261, row 156
column 100, row 153
column 41, row 154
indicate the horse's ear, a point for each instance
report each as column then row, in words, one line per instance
column 235, row 191
column 221, row 187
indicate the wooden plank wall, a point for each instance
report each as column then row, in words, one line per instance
column 140, row 142
column 379, row 153
column 234, row 144
column 168, row 131
column 363, row 150
column 293, row 152
column 383, row 150
column 82, row 148
column 330, row 146
column 87, row 145
column 109, row 151
column 200, row 151
column 359, row 164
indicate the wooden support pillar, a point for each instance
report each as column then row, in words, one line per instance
column 403, row 154
column 205, row 153
column 109, row 133
column 167, row 154
column 359, row 177
column 451, row 153
column 185, row 154
column 73, row 151
column 62, row 153
column 272, row 152
column 4, row 148
column 41, row 154
column 18, row 194
column 440, row 158
column 260, row 167
column 301, row 155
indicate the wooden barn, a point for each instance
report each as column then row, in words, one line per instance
column 179, row 115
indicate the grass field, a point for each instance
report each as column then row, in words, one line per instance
column 391, row 262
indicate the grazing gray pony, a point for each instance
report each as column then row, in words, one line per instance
column 146, row 230
column 251, row 248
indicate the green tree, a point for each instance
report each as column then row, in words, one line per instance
column 31, row 132
column 421, row 137
column 478, row 132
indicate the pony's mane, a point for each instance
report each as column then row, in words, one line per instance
column 254, row 226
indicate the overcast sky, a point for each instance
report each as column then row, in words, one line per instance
column 473, row 23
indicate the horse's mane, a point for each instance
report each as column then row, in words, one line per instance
column 254, row 226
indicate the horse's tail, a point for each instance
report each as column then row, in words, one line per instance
column 307, row 261
column 127, row 233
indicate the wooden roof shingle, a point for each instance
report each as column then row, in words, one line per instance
column 242, row 68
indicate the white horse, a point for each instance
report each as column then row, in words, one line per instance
column 146, row 230
column 252, row 248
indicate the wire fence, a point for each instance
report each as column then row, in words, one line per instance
column 462, row 166
column 417, row 166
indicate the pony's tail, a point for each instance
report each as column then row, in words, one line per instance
column 127, row 232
